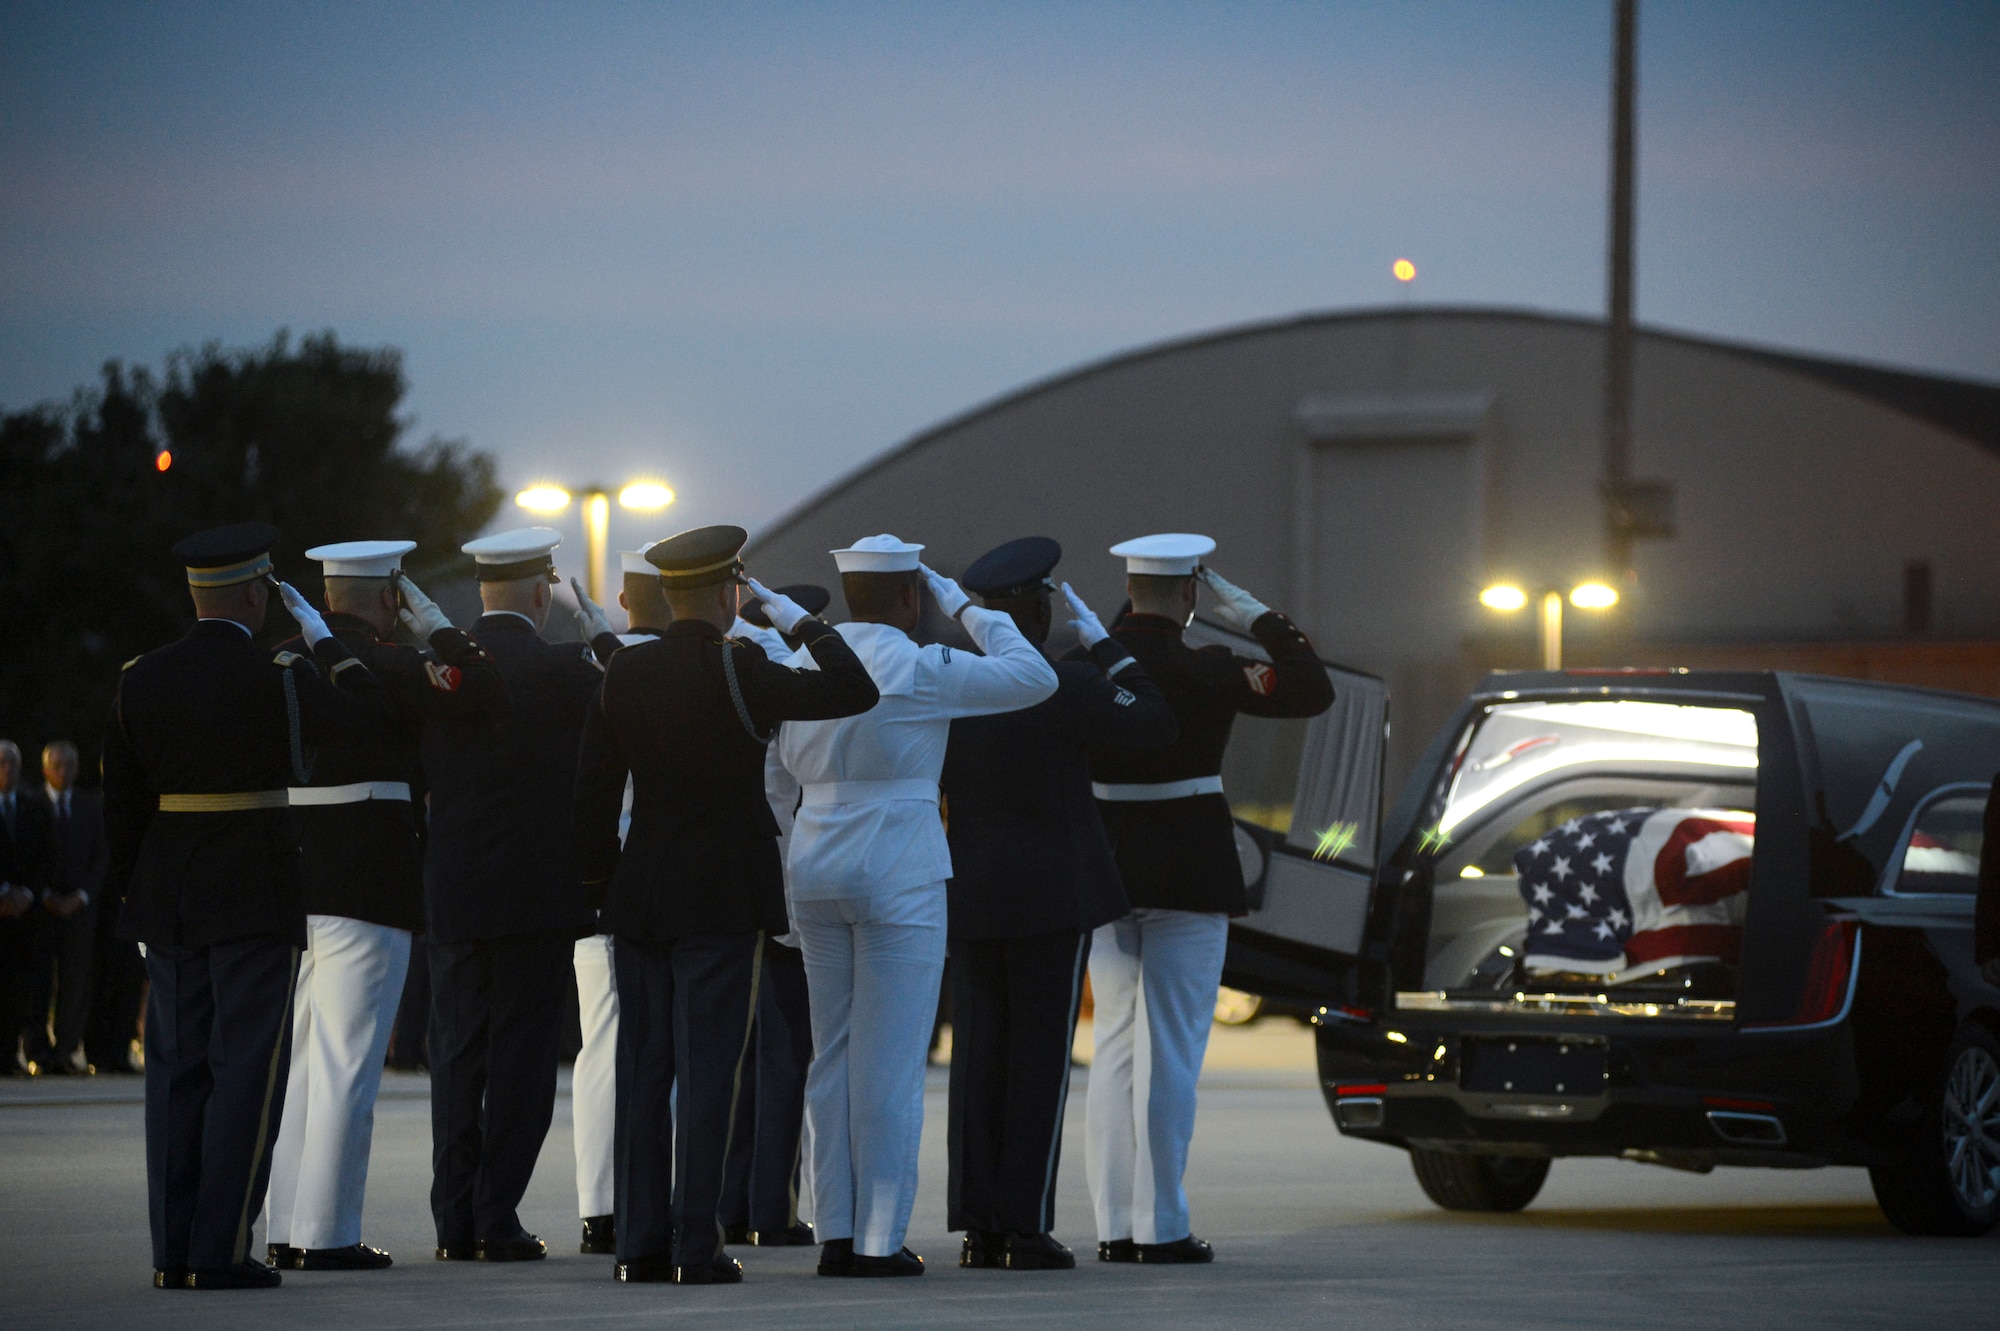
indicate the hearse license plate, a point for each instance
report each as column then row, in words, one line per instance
column 1502, row 1066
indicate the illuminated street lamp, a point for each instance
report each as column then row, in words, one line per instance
column 1507, row 598
column 641, row 496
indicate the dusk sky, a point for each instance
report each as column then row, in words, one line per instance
column 746, row 247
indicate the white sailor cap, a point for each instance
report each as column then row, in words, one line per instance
column 521, row 553
column 633, row 562
column 877, row 554
column 361, row 559
column 1168, row 554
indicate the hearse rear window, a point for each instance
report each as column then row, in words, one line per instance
column 1596, row 848
column 1942, row 854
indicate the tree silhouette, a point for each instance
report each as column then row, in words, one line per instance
column 304, row 437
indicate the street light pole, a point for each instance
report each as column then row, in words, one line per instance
column 1552, row 630
column 596, row 538
column 641, row 496
column 1507, row 598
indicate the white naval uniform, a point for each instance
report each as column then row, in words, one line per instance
column 350, row 984
column 866, row 870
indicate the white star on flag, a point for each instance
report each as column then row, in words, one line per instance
column 1601, row 865
column 1560, row 871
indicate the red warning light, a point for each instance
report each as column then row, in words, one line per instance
column 162, row 460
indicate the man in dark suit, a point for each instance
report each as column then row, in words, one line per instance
column 364, row 897
column 206, row 736
column 504, row 906
column 1175, row 841
column 760, row 1184
column 66, row 930
column 1032, row 875
column 697, row 884
column 24, row 856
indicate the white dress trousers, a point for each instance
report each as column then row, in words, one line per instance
column 593, row 1084
column 866, row 862
column 872, row 966
column 350, row 984
column 1153, row 975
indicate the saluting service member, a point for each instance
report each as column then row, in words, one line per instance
column 364, row 896
column 1032, row 875
column 593, row 1079
column 866, row 871
column 206, row 737
column 503, row 907
column 1154, row 973
column 760, row 1185
column 697, row 884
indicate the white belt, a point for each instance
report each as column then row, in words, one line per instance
column 356, row 793
column 863, row 792
column 1135, row 791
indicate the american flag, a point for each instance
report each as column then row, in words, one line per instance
column 1636, row 890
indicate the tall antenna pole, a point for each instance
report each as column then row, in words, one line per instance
column 1619, row 520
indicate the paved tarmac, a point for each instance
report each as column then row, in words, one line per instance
column 1309, row 1230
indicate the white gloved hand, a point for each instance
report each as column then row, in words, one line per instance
column 590, row 614
column 951, row 598
column 1083, row 619
column 1235, row 607
column 311, row 626
column 784, row 613
column 419, row 611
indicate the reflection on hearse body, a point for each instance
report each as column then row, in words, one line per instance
column 1594, row 855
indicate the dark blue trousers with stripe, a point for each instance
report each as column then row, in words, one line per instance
column 218, row 1050
column 1013, row 1015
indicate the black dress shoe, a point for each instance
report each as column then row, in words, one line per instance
column 720, row 1269
column 904, row 1263
column 521, row 1246
column 797, row 1236
column 599, row 1236
column 657, row 1269
column 1118, row 1250
column 169, row 1278
column 243, row 1275
column 457, row 1252
column 982, row 1248
column 1036, row 1252
column 282, row 1255
column 354, row 1257
column 1183, row 1252
column 836, row 1257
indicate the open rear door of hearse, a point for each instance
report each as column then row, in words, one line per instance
column 1307, row 795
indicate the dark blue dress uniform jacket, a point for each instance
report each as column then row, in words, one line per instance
column 1028, row 851
column 1181, row 854
column 365, row 861
column 701, row 855
column 208, row 715
column 500, row 860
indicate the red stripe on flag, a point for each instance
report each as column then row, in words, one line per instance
column 1677, row 887
column 1723, row 941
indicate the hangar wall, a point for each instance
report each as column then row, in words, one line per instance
column 1369, row 472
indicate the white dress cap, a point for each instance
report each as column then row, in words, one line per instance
column 1171, row 554
column 877, row 554
column 511, row 547
column 634, row 561
column 361, row 559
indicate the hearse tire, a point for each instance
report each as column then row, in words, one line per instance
column 1478, row 1182
column 1948, row 1183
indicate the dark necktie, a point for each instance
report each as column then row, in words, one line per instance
column 62, row 814
column 7, row 809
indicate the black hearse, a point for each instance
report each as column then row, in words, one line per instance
column 1773, row 962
